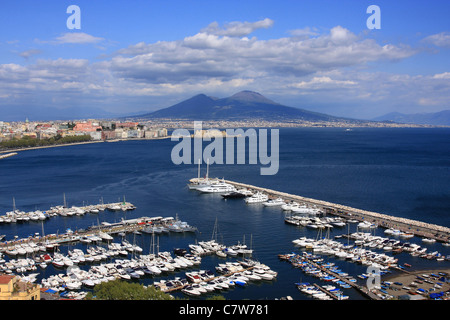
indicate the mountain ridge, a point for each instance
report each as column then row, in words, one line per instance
column 440, row 118
column 239, row 106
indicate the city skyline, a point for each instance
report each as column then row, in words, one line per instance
column 142, row 56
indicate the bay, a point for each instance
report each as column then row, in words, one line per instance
column 403, row 172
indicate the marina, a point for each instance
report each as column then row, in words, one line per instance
column 365, row 246
column 260, row 230
column 407, row 226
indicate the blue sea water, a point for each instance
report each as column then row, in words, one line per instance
column 403, row 172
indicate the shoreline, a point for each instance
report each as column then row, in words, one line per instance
column 51, row 146
column 76, row 143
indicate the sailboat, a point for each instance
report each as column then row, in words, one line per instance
column 200, row 183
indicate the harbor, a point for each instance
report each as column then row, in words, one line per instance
column 104, row 231
column 362, row 247
column 418, row 228
column 269, row 223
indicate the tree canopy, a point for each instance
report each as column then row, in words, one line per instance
column 122, row 290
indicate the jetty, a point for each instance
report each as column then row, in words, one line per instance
column 3, row 156
column 103, row 231
column 19, row 216
column 418, row 228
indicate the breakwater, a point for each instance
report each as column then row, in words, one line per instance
column 418, row 228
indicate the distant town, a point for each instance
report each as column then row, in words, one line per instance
column 44, row 133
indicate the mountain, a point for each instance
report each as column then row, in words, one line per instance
column 240, row 106
column 441, row 118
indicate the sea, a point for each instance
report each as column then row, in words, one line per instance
column 403, row 172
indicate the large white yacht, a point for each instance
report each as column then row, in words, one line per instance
column 218, row 187
column 257, row 198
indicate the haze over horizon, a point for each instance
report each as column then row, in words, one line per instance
column 131, row 58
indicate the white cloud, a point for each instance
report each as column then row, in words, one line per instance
column 322, row 82
column 211, row 55
column 28, row 53
column 324, row 68
column 305, row 32
column 445, row 75
column 440, row 39
column 237, row 28
column 77, row 38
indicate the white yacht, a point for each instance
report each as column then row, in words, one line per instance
column 274, row 202
column 218, row 188
column 304, row 209
column 257, row 198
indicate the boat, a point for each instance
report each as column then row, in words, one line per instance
column 233, row 195
column 304, row 209
column 221, row 253
column 274, row 202
column 104, row 236
column 219, row 187
column 257, row 198
column 230, row 252
column 366, row 225
column 191, row 291
column 406, row 235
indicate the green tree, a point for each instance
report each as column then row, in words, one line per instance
column 121, row 290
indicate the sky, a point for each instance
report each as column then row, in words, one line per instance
column 139, row 56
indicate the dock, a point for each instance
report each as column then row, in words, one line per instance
column 19, row 216
column 361, row 289
column 3, row 156
column 125, row 226
column 418, row 228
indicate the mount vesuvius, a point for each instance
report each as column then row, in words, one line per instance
column 243, row 105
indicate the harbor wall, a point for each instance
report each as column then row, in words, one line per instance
column 419, row 228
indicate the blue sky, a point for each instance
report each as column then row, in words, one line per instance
column 132, row 56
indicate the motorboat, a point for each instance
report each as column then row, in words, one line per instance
column 233, row 195
column 304, row 209
column 429, row 240
column 220, row 187
column 191, row 291
column 259, row 197
column 230, row 252
column 406, row 235
column 274, row 202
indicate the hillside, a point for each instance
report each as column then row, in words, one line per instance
column 441, row 118
column 243, row 105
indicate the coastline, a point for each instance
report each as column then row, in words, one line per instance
column 76, row 143
column 51, row 146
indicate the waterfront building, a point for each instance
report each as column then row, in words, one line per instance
column 13, row 288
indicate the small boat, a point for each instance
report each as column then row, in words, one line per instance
column 221, row 254
column 406, row 235
column 230, row 252
column 191, row 291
